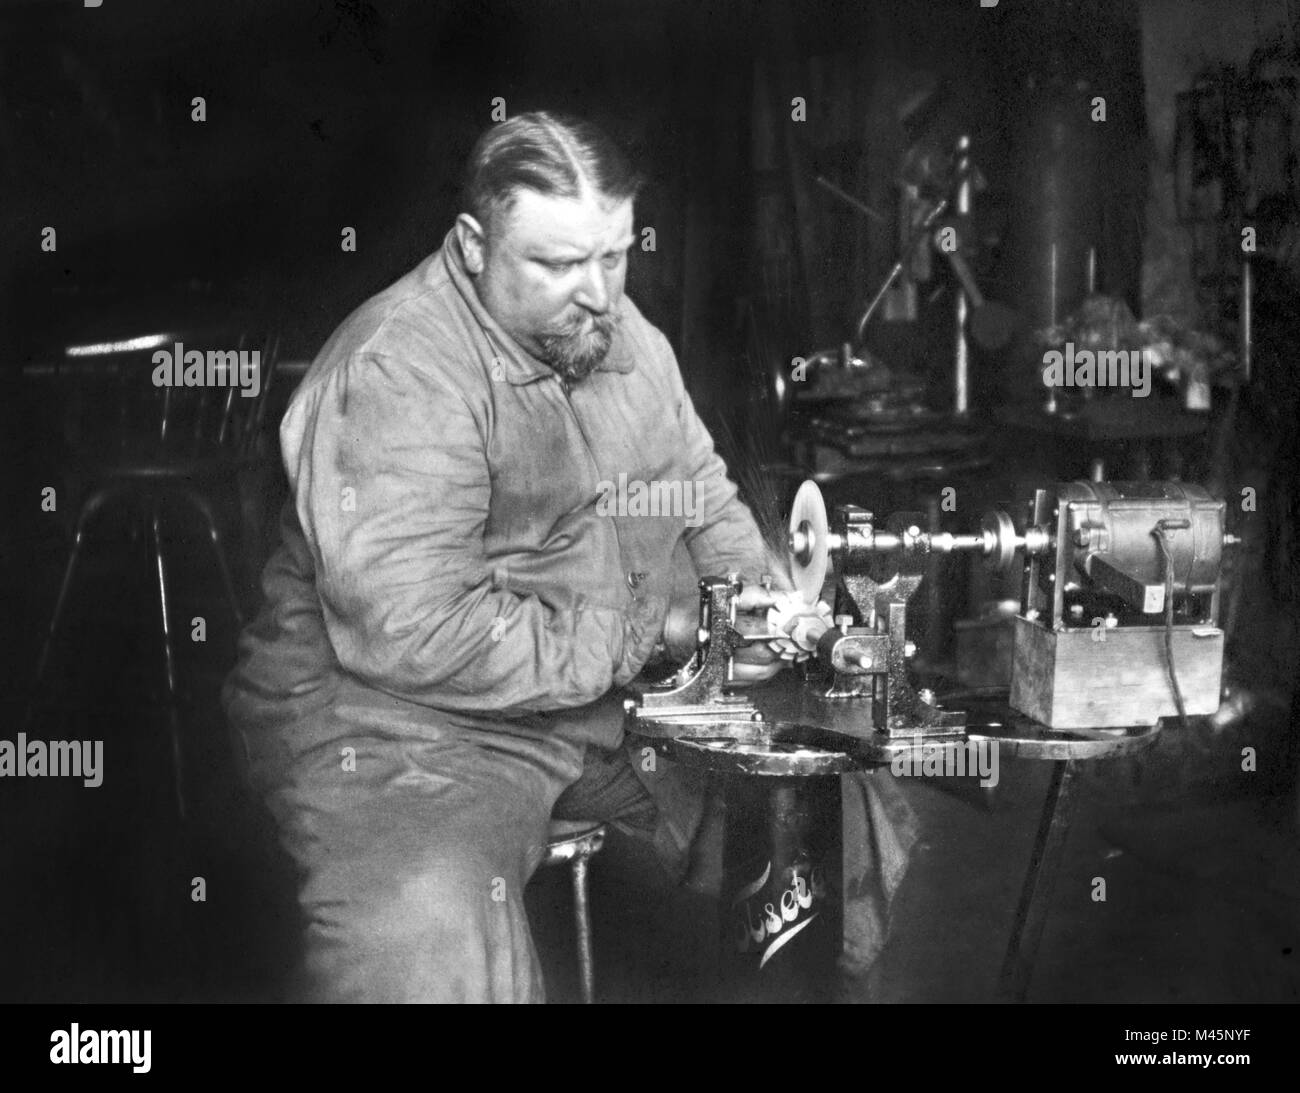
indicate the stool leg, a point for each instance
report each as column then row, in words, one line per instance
column 88, row 509
column 55, row 619
column 169, row 665
column 205, row 510
column 582, row 917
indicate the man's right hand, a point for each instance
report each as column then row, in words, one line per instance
column 682, row 623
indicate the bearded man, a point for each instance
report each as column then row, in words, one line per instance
column 455, row 604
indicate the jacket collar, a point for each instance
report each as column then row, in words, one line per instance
column 521, row 367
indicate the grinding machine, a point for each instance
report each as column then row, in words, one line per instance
column 1117, row 629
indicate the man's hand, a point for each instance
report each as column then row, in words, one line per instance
column 760, row 613
column 683, row 619
column 755, row 597
column 753, row 663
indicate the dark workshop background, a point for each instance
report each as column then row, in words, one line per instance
column 326, row 115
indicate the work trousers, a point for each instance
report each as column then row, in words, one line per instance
column 413, row 851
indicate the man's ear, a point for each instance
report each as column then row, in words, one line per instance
column 473, row 243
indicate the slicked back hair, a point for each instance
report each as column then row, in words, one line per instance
column 555, row 155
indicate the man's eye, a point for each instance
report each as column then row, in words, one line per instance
column 613, row 261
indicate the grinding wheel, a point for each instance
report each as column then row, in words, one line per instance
column 809, row 541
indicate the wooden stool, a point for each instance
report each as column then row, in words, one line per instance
column 575, row 841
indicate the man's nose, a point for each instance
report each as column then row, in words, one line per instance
column 593, row 292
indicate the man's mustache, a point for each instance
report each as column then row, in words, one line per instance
column 604, row 325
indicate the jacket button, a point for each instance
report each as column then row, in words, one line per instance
column 634, row 580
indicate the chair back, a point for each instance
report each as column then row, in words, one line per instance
column 168, row 397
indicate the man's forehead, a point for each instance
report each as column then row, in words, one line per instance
column 539, row 221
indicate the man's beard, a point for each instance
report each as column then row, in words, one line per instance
column 574, row 353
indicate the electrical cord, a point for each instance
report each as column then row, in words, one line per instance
column 1162, row 531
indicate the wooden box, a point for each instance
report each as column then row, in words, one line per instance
column 1075, row 679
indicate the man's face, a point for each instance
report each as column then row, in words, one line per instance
column 551, row 272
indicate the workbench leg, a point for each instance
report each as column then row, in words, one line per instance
column 1036, row 896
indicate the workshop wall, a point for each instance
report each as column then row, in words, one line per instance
column 1181, row 42
column 1192, row 260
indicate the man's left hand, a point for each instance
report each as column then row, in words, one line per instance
column 755, row 663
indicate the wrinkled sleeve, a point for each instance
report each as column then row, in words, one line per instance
column 393, row 489
column 728, row 539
